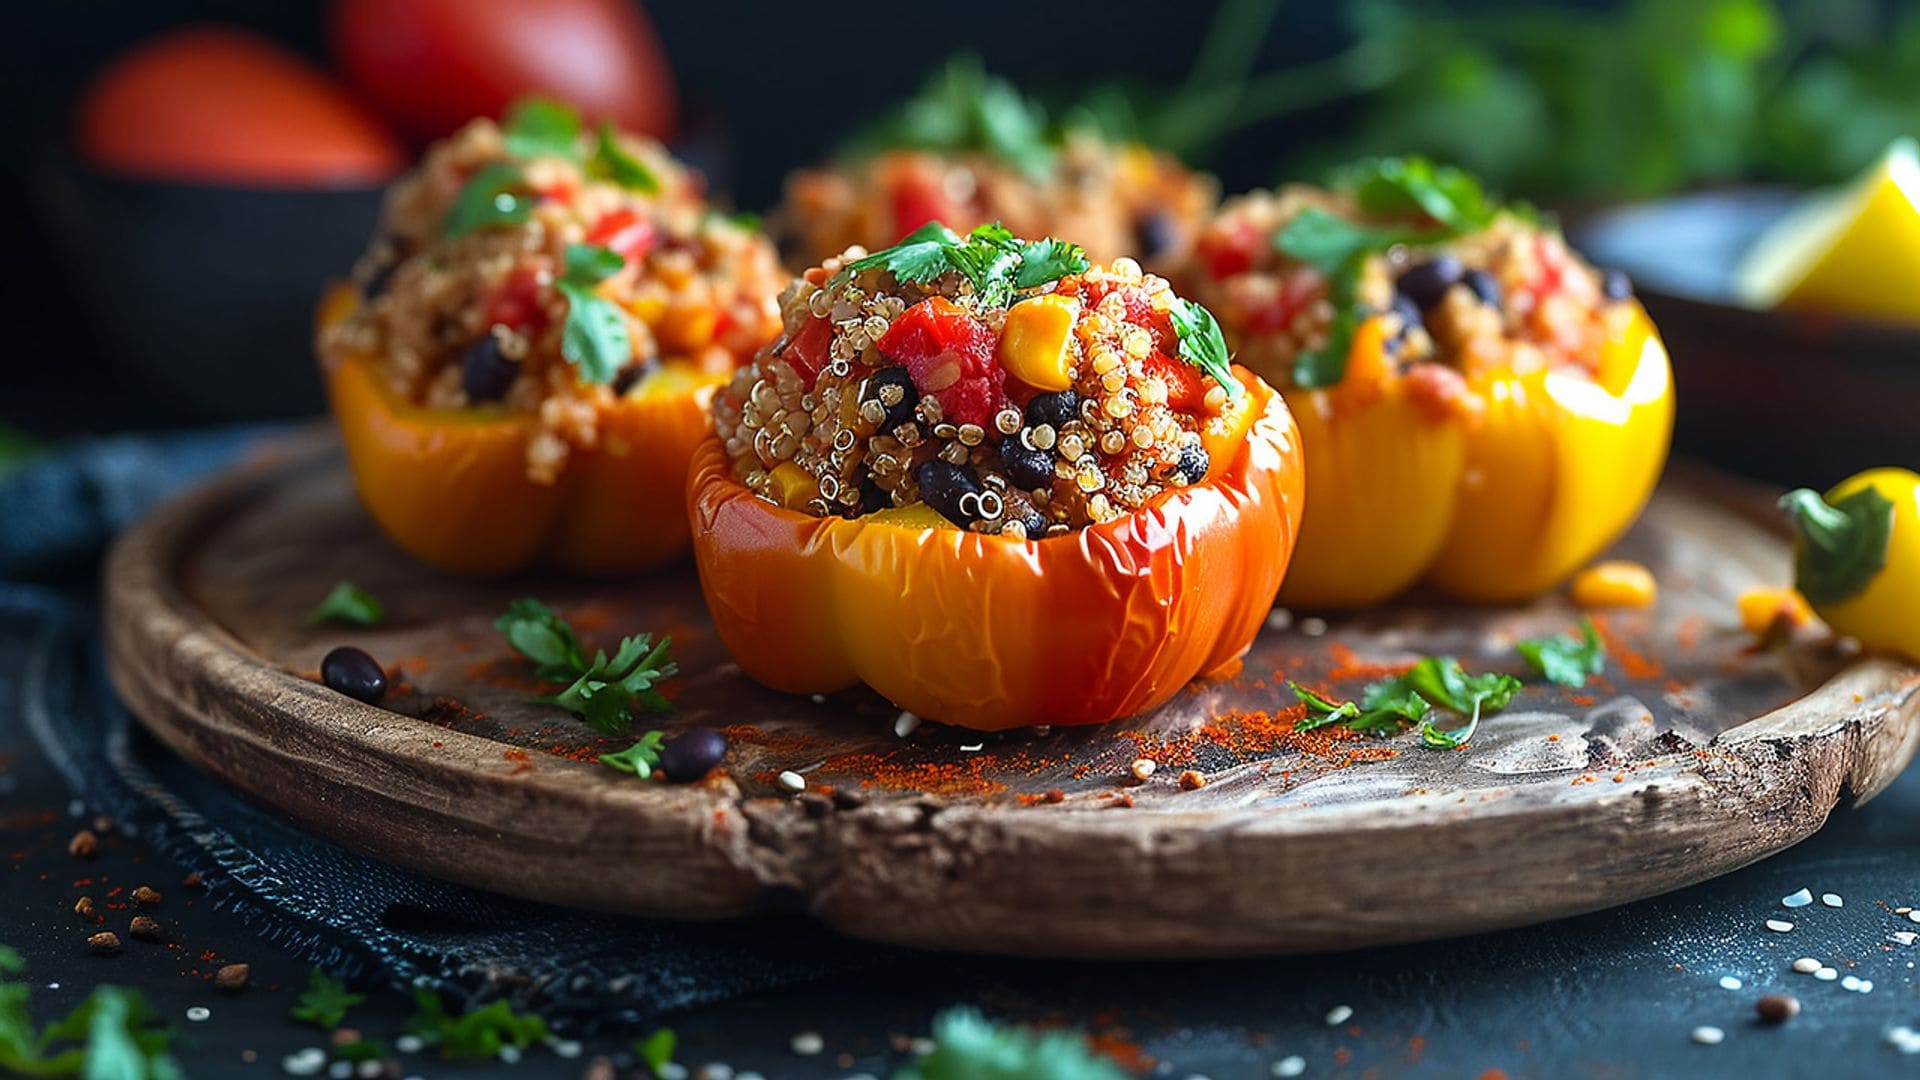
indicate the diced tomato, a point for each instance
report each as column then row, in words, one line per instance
column 916, row 198
column 520, row 301
column 626, row 232
column 1230, row 253
column 1186, row 384
column 809, row 350
column 950, row 355
column 1137, row 308
column 1289, row 299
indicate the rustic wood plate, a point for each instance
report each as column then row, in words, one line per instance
column 1692, row 756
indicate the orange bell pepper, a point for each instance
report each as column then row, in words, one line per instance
column 1495, row 503
column 990, row 632
column 450, row 486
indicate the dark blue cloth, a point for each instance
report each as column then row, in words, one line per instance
column 353, row 915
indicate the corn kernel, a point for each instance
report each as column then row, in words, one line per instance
column 792, row 485
column 1761, row 610
column 1615, row 583
column 1033, row 343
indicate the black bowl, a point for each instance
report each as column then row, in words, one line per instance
column 203, row 295
column 1797, row 397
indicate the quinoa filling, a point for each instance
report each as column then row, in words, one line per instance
column 1024, row 395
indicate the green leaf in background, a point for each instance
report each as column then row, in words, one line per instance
column 347, row 603
column 616, row 163
column 968, row 1047
column 539, row 127
column 1569, row 661
column 15, row 448
column 493, row 196
column 656, row 1050
column 325, row 1001
column 479, row 1034
column 961, row 108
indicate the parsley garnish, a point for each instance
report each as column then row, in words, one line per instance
column 594, row 339
column 1843, row 544
column 656, row 1050
column 968, row 1047
column 325, row 1001
column 481, row 1033
column 347, row 603
column 961, row 108
column 535, row 127
column 638, row 759
column 605, row 692
column 1390, row 704
column 614, row 162
column 1443, row 203
column 1203, row 345
column 540, row 127
column 495, row 195
column 993, row 259
column 112, row 1033
column 1569, row 661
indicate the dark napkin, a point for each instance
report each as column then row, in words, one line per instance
column 355, row 916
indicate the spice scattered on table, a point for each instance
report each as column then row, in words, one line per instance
column 232, row 977
column 83, row 844
column 905, row 723
column 146, row 896
column 1777, row 1008
column 1192, row 780
column 1142, row 768
column 1826, row 974
column 1708, row 1035
column 199, row 1013
column 105, row 943
column 1904, row 1039
column 355, row 673
column 145, row 928
column 83, row 907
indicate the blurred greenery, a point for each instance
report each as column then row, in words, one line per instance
column 15, row 448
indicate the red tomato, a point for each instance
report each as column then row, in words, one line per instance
column 520, row 301
column 218, row 105
column 1186, row 392
column 917, row 197
column 950, row 355
column 808, row 351
column 626, row 232
column 1225, row 255
column 432, row 65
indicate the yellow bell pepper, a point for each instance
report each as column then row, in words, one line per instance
column 1494, row 502
column 1858, row 557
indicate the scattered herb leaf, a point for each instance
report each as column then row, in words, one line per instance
column 1203, row 345
column 540, row 127
column 540, row 635
column 1388, row 705
column 1320, row 711
column 605, row 691
column 347, row 603
column 595, row 338
column 325, row 1001
column 494, row 195
column 1843, row 545
column 479, row 1034
column 618, row 164
column 968, row 1047
column 1385, row 713
column 656, row 1050
column 1569, row 661
column 363, row 1050
column 638, row 759
column 992, row 258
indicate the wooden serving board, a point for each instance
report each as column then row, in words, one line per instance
column 1692, row 756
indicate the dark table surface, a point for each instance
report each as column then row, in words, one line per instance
column 1616, row 993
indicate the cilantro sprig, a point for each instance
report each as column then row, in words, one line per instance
column 969, row 1047
column 656, row 1050
column 347, row 603
column 607, row 692
column 112, row 1033
column 639, row 759
column 997, row 262
column 594, row 338
column 1203, row 345
column 476, row 1034
column 1569, row 661
column 1423, row 203
column 498, row 194
column 1411, row 697
column 325, row 1001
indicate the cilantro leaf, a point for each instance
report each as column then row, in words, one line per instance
column 1842, row 544
column 991, row 257
column 607, row 691
column 1569, row 661
column 961, row 108
column 594, row 338
column 1388, row 705
column 494, row 195
column 968, row 1047
column 618, row 164
column 540, row 127
column 478, row 1034
column 347, row 603
column 1203, row 345
column 1320, row 711
column 1452, row 198
column 1043, row 261
column 638, row 759
column 325, row 1001
column 1379, row 713
column 540, row 635
column 590, row 264
column 656, row 1050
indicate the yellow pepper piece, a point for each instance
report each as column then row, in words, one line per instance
column 1863, row 583
column 1763, row 609
column 794, row 486
column 1614, row 583
column 914, row 515
column 1033, row 344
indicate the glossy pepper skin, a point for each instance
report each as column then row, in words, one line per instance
column 990, row 632
column 450, row 486
column 1492, row 504
column 1865, row 587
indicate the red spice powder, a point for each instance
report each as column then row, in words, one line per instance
column 1128, row 1055
column 1348, row 665
column 1637, row 665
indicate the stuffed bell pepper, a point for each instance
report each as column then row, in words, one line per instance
column 1479, row 408
column 521, row 368
column 998, row 485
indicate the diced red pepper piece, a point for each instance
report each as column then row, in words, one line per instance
column 809, row 350
column 917, row 197
column 950, row 355
column 1225, row 255
column 1290, row 298
column 1186, row 385
column 520, row 300
column 626, row 232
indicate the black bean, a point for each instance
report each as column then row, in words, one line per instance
column 901, row 410
column 1486, row 288
column 1616, row 285
column 379, row 279
column 943, row 486
column 352, row 672
column 1193, row 463
column 630, row 376
column 1055, row 409
column 692, row 754
column 484, row 373
column 1425, row 283
column 873, row 497
column 1155, row 233
column 1028, row 467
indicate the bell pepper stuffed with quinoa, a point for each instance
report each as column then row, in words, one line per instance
column 998, row 485
column 1858, row 557
column 1479, row 408
column 520, row 371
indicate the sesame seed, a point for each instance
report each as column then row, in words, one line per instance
column 904, row 724
column 1849, row 982
column 409, row 1044
column 1806, row 965
column 1797, row 900
column 1826, row 974
column 566, row 1048
column 792, row 781
column 1279, row 620
column 197, row 1013
column 306, row 1062
column 818, row 699
column 1904, row 937
column 1730, row 982
column 1313, row 626
column 1905, row 1039
column 1779, row 926
column 1143, row 768
column 808, row 1043
column 1708, row 1035
column 1832, row 900
column 1291, row 1065
column 1913, row 915
column 1339, row 1014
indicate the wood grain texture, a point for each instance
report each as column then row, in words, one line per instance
column 1691, row 757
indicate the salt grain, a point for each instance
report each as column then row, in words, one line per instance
column 306, row 1062
column 1339, row 1014
column 818, row 699
column 1826, row 974
column 904, row 724
column 1905, row 1039
column 1708, row 1035
column 1904, row 937
column 198, row 1013
column 1313, row 627
column 1797, row 900
column 1291, row 1065
column 808, row 1043
column 792, row 781
column 1779, row 926
column 1280, row 620
column 1729, row 982
column 1913, row 915
column 1806, row 965
column 566, row 1048
column 409, row 1044
column 1832, row 899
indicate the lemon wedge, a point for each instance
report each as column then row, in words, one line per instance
column 1854, row 250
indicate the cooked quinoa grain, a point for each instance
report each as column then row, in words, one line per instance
column 1024, row 414
column 477, row 319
